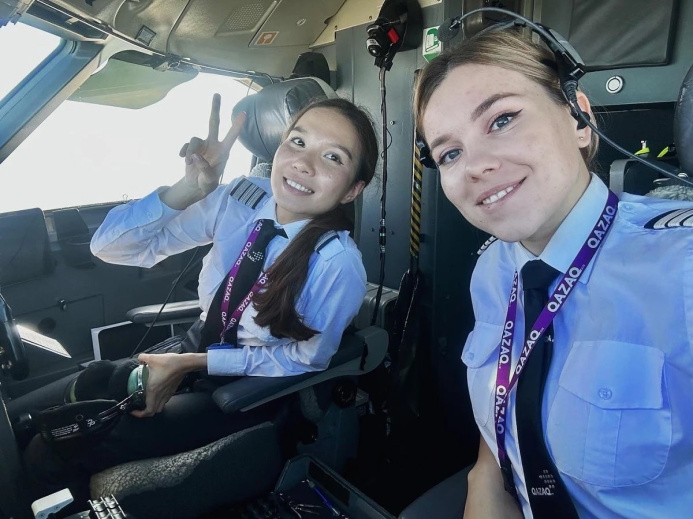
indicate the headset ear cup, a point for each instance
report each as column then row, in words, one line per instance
column 581, row 125
column 118, row 384
column 425, row 154
column 92, row 383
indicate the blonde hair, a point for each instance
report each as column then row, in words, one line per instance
column 506, row 48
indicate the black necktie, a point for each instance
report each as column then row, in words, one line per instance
column 248, row 273
column 548, row 496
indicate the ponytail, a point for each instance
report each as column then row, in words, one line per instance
column 276, row 306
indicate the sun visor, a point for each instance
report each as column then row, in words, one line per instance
column 127, row 83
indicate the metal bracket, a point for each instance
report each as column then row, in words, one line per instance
column 12, row 10
column 170, row 62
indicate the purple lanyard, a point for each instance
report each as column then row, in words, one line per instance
column 229, row 323
column 504, row 381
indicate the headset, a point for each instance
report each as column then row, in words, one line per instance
column 93, row 417
column 570, row 69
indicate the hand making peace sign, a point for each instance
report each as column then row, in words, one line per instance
column 205, row 160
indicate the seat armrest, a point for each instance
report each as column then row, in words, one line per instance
column 246, row 392
column 178, row 312
column 358, row 353
column 446, row 500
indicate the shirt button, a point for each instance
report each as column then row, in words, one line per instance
column 469, row 357
column 149, row 214
column 605, row 393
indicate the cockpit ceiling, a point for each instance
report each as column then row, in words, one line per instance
column 259, row 35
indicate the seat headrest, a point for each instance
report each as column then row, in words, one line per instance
column 683, row 124
column 270, row 111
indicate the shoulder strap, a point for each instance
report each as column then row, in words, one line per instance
column 672, row 219
column 248, row 193
column 325, row 239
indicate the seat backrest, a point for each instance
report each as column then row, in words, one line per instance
column 631, row 176
column 269, row 112
column 25, row 253
column 636, row 178
column 683, row 124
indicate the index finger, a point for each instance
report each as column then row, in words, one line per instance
column 234, row 131
column 214, row 118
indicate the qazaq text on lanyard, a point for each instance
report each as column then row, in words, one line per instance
column 228, row 323
column 504, row 380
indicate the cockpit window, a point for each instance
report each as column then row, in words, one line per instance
column 23, row 48
column 86, row 153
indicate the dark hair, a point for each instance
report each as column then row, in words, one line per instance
column 276, row 306
column 510, row 49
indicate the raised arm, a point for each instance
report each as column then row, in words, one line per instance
column 486, row 497
column 205, row 161
column 172, row 219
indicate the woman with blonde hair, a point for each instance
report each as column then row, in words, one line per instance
column 580, row 362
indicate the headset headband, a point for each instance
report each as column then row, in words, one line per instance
column 89, row 417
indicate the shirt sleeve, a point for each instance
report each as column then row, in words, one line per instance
column 688, row 291
column 146, row 231
column 332, row 298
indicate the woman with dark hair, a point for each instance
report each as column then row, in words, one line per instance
column 294, row 324
column 281, row 283
column 580, row 362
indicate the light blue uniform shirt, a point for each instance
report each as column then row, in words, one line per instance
column 146, row 231
column 618, row 402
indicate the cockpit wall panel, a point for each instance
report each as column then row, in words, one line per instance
column 642, row 84
column 258, row 35
column 446, row 264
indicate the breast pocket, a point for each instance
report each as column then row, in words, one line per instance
column 478, row 351
column 610, row 422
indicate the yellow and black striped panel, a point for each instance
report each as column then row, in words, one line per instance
column 415, row 219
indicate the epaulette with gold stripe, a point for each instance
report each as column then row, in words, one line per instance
column 672, row 219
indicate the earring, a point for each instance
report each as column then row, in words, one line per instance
column 582, row 137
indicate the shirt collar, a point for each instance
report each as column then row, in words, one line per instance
column 572, row 233
column 269, row 211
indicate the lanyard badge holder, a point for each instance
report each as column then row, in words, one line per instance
column 507, row 378
column 91, row 417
